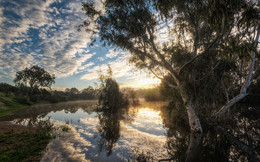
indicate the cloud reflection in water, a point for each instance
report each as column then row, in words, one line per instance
column 145, row 133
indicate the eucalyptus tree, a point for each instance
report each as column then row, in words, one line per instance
column 35, row 77
column 216, row 38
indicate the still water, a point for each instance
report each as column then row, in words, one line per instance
column 132, row 133
column 151, row 131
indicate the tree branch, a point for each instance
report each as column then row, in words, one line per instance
column 166, row 64
column 256, row 73
column 243, row 89
column 245, row 147
column 199, row 55
column 147, row 55
column 209, row 72
column 163, row 79
column 226, row 92
column 242, row 93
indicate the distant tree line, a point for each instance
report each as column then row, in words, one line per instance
column 151, row 94
column 32, row 84
column 26, row 95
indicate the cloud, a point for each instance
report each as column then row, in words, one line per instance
column 86, row 66
column 126, row 73
column 112, row 53
column 120, row 68
column 66, row 147
column 43, row 33
column 101, row 58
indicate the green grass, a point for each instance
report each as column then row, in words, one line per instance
column 24, row 146
column 65, row 128
column 8, row 105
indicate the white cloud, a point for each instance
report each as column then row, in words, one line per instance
column 119, row 67
column 122, row 69
column 101, row 58
column 112, row 53
column 59, row 48
column 86, row 66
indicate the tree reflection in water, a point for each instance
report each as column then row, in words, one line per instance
column 109, row 127
column 233, row 139
column 219, row 141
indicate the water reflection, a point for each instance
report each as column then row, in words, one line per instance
column 109, row 129
column 104, row 135
column 141, row 121
column 42, row 110
column 147, row 132
column 218, row 144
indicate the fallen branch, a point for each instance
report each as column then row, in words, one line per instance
column 242, row 93
column 244, row 146
column 243, row 90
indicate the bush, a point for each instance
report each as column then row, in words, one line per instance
column 23, row 100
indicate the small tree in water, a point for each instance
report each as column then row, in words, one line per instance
column 112, row 105
column 110, row 97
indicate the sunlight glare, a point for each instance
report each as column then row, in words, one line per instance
column 144, row 83
column 149, row 113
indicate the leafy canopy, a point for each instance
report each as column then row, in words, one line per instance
column 207, row 51
column 201, row 35
column 35, row 77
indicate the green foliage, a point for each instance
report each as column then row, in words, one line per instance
column 9, row 105
column 23, row 99
column 88, row 93
column 35, row 77
column 65, row 128
column 7, row 89
column 222, row 32
column 130, row 95
column 110, row 97
column 15, row 98
column 27, row 145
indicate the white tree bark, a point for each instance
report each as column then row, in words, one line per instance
column 195, row 134
column 243, row 90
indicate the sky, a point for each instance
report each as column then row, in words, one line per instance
column 44, row 33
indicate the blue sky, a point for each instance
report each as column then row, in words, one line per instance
column 44, row 33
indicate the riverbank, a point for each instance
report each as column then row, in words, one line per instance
column 22, row 143
column 8, row 105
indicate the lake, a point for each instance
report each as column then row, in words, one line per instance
column 138, row 132
column 150, row 132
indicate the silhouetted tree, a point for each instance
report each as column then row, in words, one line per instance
column 7, row 88
column 35, row 77
column 89, row 93
column 110, row 97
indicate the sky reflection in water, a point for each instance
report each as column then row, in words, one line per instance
column 141, row 130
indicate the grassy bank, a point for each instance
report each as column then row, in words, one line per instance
column 9, row 105
column 21, row 143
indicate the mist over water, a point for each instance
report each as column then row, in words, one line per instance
column 149, row 131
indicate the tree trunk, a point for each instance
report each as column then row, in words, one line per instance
column 195, row 134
